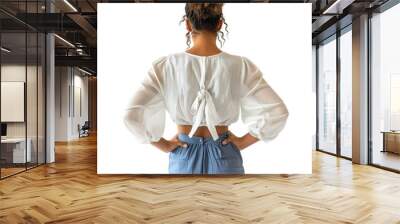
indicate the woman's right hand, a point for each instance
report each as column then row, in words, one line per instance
column 169, row 145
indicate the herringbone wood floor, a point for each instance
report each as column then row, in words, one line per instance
column 70, row 191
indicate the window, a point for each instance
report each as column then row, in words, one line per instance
column 346, row 93
column 385, row 89
column 327, row 96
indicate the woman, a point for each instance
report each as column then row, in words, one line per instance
column 203, row 89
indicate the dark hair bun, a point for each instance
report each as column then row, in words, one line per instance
column 204, row 16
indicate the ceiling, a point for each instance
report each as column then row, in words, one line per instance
column 76, row 22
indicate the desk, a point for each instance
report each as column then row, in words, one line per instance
column 13, row 150
column 391, row 141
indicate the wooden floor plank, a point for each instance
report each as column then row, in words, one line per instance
column 70, row 191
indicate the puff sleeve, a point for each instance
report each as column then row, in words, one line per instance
column 145, row 114
column 262, row 110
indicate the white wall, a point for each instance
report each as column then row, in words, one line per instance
column 80, row 84
column 16, row 72
column 9, row 73
column 69, row 82
column 62, row 80
column 34, row 125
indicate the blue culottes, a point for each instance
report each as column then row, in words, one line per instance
column 205, row 156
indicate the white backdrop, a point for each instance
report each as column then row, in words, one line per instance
column 276, row 37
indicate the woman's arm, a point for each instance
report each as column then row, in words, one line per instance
column 262, row 109
column 241, row 142
column 145, row 113
column 168, row 145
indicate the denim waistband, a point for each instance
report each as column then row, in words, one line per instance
column 197, row 139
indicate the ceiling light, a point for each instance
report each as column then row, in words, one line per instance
column 79, row 51
column 65, row 41
column 70, row 5
column 84, row 71
column 5, row 50
column 338, row 6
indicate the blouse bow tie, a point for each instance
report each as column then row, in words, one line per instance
column 201, row 97
column 203, row 105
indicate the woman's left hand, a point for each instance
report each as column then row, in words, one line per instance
column 240, row 142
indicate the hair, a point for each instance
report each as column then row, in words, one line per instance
column 205, row 17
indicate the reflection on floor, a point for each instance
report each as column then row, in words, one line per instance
column 346, row 152
column 70, row 191
column 11, row 169
column 386, row 159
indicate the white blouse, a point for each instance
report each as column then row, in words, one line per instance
column 204, row 91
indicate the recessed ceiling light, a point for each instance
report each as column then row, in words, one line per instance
column 338, row 6
column 84, row 71
column 5, row 50
column 70, row 5
column 64, row 40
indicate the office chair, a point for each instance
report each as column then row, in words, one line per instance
column 84, row 130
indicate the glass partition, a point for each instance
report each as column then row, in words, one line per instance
column 15, row 152
column 22, row 77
